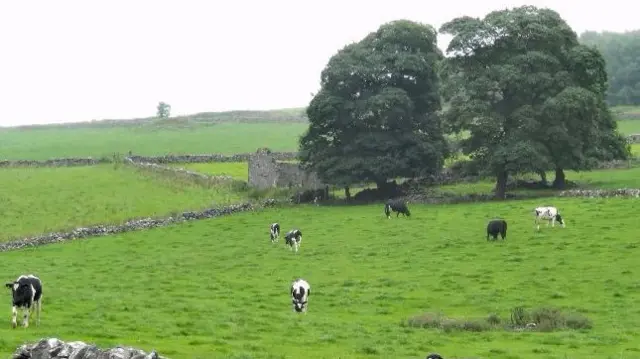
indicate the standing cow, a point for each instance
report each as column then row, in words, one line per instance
column 27, row 295
column 495, row 227
column 274, row 230
column 549, row 214
column 300, row 291
column 293, row 239
column 398, row 206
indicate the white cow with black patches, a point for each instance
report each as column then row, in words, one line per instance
column 549, row 214
column 274, row 232
column 27, row 295
column 293, row 239
column 300, row 291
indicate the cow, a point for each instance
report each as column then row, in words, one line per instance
column 300, row 291
column 433, row 356
column 549, row 214
column 274, row 232
column 293, row 239
column 495, row 227
column 27, row 295
column 396, row 206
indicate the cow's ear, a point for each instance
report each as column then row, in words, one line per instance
column 9, row 284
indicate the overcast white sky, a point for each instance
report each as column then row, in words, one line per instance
column 68, row 61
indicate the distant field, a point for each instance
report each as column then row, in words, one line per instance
column 227, row 138
column 238, row 170
column 365, row 285
column 34, row 201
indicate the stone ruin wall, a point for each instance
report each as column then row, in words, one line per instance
column 265, row 171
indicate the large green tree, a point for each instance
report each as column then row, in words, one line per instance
column 375, row 116
column 531, row 96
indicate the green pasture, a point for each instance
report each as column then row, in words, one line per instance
column 228, row 138
column 237, row 170
column 38, row 200
column 219, row 289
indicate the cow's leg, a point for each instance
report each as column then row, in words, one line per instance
column 25, row 316
column 39, row 309
column 553, row 222
column 14, row 316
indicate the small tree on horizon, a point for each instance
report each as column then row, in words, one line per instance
column 163, row 110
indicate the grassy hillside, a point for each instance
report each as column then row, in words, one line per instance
column 219, row 289
column 38, row 200
column 228, row 138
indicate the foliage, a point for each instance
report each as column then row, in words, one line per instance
column 622, row 54
column 39, row 200
column 367, row 283
column 375, row 116
column 226, row 138
column 163, row 110
column 531, row 96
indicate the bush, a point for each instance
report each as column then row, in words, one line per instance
column 544, row 319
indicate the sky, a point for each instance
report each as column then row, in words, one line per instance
column 70, row 61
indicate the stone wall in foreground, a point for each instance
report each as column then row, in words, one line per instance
column 53, row 348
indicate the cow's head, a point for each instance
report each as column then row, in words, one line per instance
column 298, row 305
column 559, row 219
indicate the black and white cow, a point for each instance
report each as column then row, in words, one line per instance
column 433, row 356
column 300, row 291
column 549, row 214
column 293, row 239
column 27, row 295
column 275, row 232
column 398, row 206
column 495, row 227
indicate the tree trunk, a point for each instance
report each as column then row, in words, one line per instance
column 560, row 181
column 543, row 177
column 501, row 185
column 347, row 193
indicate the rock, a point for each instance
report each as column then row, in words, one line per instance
column 53, row 348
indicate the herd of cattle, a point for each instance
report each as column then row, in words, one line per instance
column 300, row 288
column 27, row 289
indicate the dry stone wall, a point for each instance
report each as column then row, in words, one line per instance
column 180, row 172
column 53, row 348
column 206, row 158
column 133, row 225
column 55, row 162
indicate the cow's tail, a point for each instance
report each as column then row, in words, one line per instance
column 387, row 209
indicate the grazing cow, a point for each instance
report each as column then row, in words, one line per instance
column 275, row 232
column 495, row 227
column 396, row 206
column 300, row 291
column 27, row 295
column 549, row 214
column 293, row 239
column 433, row 356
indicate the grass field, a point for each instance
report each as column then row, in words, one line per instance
column 227, row 138
column 218, row 289
column 37, row 200
column 238, row 170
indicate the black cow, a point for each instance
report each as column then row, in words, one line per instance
column 396, row 206
column 27, row 295
column 293, row 239
column 433, row 356
column 274, row 232
column 495, row 227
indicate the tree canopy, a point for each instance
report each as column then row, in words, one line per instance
column 375, row 116
column 531, row 96
column 622, row 54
